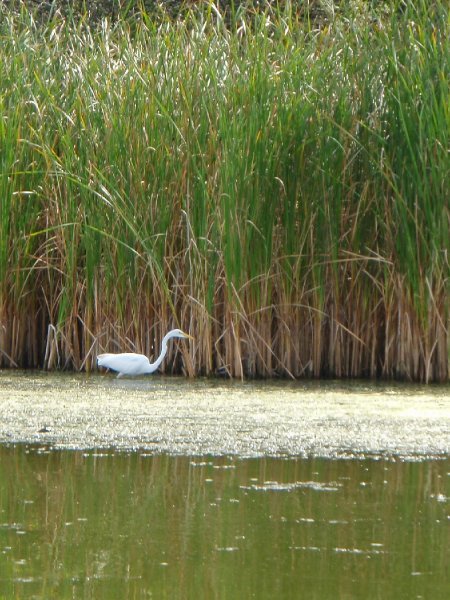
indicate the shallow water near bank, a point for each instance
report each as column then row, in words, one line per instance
column 176, row 489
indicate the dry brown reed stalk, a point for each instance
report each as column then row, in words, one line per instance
column 350, row 335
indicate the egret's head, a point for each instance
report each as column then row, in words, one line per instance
column 177, row 333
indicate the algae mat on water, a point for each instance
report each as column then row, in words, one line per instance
column 199, row 417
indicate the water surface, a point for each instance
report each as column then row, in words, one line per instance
column 178, row 416
column 107, row 525
column 172, row 489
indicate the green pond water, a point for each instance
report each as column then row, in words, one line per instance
column 105, row 525
column 168, row 489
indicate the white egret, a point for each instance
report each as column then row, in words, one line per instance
column 129, row 363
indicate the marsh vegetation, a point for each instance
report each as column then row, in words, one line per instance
column 273, row 184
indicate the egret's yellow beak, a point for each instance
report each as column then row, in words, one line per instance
column 189, row 337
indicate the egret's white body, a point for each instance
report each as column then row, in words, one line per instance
column 129, row 363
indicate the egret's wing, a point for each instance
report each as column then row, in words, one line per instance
column 126, row 362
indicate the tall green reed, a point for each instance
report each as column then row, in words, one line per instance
column 274, row 185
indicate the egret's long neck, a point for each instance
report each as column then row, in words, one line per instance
column 160, row 358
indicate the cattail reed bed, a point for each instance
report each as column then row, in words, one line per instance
column 277, row 188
